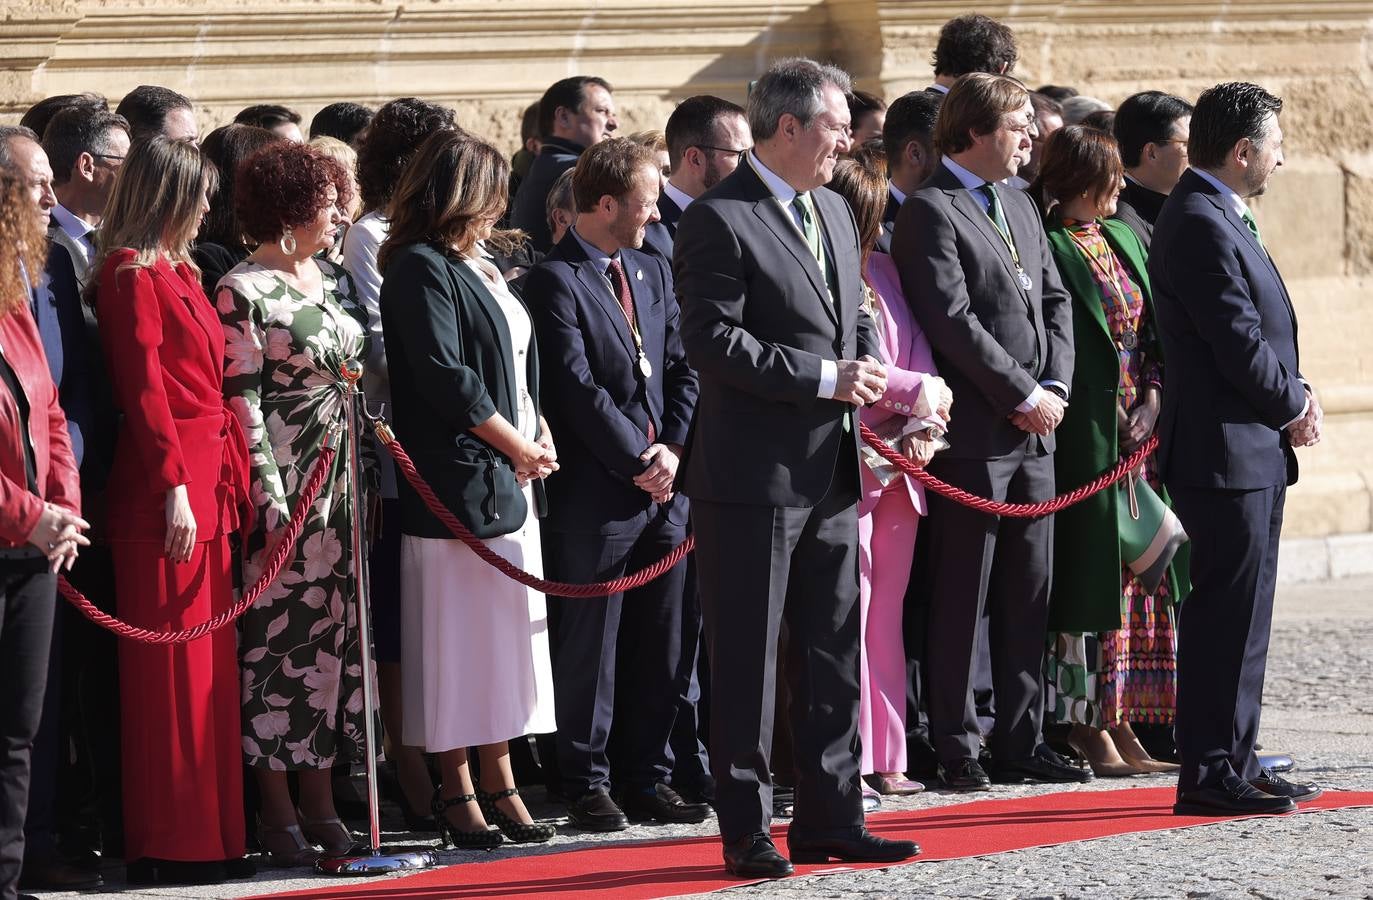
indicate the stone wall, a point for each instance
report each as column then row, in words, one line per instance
column 490, row 58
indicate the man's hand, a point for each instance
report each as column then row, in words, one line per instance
column 1044, row 418
column 861, row 381
column 1306, row 431
column 657, row 479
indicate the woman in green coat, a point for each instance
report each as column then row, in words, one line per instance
column 1112, row 657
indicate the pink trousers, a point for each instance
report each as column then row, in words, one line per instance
column 886, row 545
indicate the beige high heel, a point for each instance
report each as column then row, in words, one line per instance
column 1096, row 746
column 1132, row 751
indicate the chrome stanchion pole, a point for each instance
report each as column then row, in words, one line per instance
column 374, row 861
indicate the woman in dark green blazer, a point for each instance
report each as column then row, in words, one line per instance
column 475, row 667
column 1112, row 656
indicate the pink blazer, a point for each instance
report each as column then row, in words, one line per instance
column 906, row 351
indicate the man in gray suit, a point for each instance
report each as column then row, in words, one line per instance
column 768, row 275
column 976, row 269
column 86, row 148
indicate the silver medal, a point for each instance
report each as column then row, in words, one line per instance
column 645, row 366
column 1025, row 281
column 1129, row 339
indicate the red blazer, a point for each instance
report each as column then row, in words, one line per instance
column 52, row 450
column 164, row 348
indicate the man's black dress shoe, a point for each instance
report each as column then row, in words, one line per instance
column 1271, row 783
column 854, row 844
column 756, row 856
column 595, row 811
column 661, row 803
column 1234, row 797
column 57, row 875
column 1045, row 765
column 964, row 775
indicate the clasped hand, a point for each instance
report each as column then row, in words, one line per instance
column 860, row 381
column 1044, row 418
column 58, row 535
column 1306, row 431
column 536, row 459
column 657, row 479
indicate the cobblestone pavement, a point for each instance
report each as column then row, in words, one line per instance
column 1318, row 706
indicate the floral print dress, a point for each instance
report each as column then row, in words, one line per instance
column 301, row 662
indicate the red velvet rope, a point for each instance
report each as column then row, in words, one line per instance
column 280, row 555
column 1015, row 510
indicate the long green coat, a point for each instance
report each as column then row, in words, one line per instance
column 1087, row 593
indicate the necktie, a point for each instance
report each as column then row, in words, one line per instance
column 620, row 283
column 802, row 204
column 1248, row 218
column 994, row 210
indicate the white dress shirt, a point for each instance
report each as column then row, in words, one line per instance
column 676, row 195
column 79, row 230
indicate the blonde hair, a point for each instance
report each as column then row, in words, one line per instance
column 653, row 140
column 22, row 243
column 346, row 156
column 154, row 209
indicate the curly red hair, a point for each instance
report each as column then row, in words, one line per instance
column 283, row 186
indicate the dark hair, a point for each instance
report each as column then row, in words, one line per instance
column 1146, row 118
column 1045, row 105
column 1224, row 114
column 529, row 122
column 1058, row 92
column 74, row 131
column 861, row 103
column 227, row 147
column 454, row 182
column 9, row 133
column 975, row 105
column 344, row 121
column 1077, row 160
column 396, row 132
column 911, row 117
column 267, row 115
column 861, row 179
column 975, row 43
column 145, row 108
column 42, row 112
column 569, row 93
column 609, row 167
column 285, row 185
column 693, row 123
column 1101, row 120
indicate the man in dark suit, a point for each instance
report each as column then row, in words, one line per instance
column 1151, row 129
column 86, row 147
column 976, row 269
column 706, row 137
column 574, row 113
column 620, row 395
column 768, row 274
column 1235, row 407
column 908, row 139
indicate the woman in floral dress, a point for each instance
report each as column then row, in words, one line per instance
column 1112, row 656
column 290, row 320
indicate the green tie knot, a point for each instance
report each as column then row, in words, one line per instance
column 1248, row 218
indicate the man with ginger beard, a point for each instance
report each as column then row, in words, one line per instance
column 617, row 388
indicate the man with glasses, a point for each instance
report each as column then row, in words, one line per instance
column 976, row 269
column 706, row 138
column 1151, row 128
column 86, row 147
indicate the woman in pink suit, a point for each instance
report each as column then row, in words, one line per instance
column 911, row 415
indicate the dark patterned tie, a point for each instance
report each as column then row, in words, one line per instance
column 620, row 283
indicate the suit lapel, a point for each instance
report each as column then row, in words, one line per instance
column 595, row 283
column 963, row 202
column 1246, row 238
column 840, row 255
column 491, row 309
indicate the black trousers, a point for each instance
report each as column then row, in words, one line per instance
column 758, row 565
column 688, row 749
column 28, row 595
column 1003, row 567
column 646, row 623
column 1223, row 629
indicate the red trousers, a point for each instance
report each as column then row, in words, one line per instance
column 183, row 763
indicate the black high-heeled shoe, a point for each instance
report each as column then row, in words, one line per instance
column 518, row 832
column 449, row 835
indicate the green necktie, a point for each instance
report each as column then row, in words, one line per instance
column 802, row 204
column 994, row 210
column 1248, row 218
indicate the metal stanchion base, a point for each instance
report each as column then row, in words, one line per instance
column 378, row 862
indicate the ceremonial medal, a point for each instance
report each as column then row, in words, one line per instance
column 1025, row 281
column 639, row 274
column 1129, row 339
column 645, row 366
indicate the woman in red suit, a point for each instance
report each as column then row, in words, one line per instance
column 178, row 483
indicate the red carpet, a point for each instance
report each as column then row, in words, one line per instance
column 649, row 869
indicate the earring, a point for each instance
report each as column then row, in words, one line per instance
column 287, row 243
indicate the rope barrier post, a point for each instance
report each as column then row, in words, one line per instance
column 374, row 862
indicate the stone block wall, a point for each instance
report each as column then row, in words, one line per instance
column 490, row 58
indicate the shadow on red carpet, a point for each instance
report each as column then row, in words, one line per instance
column 649, row 869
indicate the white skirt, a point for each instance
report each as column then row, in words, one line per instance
column 474, row 643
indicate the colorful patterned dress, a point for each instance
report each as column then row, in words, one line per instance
column 298, row 647
column 1130, row 674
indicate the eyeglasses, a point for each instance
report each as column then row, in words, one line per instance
column 108, row 156
column 1182, row 141
column 730, row 150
